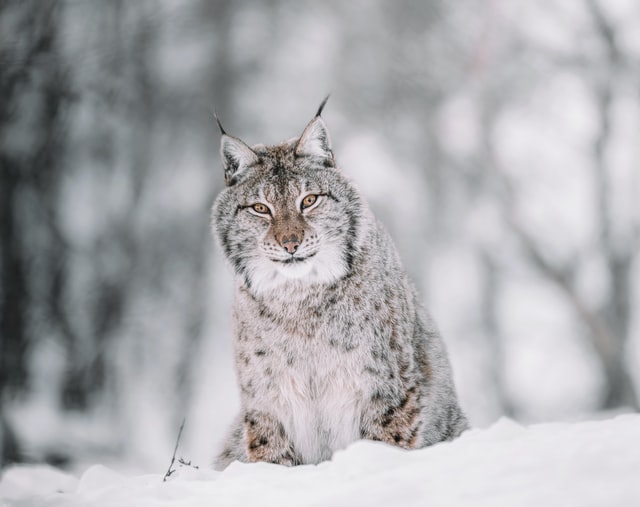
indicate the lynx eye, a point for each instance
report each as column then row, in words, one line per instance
column 308, row 201
column 260, row 208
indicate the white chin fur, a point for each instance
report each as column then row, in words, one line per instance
column 325, row 267
column 297, row 270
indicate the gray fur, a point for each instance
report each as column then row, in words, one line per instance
column 331, row 343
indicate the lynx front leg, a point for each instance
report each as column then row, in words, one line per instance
column 266, row 440
column 395, row 421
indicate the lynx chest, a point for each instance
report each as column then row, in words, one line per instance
column 296, row 368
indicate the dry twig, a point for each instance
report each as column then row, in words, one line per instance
column 173, row 458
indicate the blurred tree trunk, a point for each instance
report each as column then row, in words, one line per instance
column 607, row 327
column 611, row 339
column 34, row 91
column 87, row 370
column 221, row 83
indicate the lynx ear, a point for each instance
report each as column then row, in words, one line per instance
column 236, row 158
column 315, row 140
column 235, row 154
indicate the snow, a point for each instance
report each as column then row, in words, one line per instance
column 593, row 463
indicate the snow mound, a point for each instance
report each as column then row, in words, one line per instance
column 592, row 463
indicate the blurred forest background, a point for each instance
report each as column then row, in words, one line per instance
column 498, row 141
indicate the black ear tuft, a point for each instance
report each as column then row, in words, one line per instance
column 322, row 104
column 222, row 131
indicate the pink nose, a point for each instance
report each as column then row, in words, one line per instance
column 291, row 244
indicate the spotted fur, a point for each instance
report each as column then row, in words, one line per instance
column 331, row 343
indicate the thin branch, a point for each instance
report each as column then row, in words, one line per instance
column 175, row 450
column 186, row 463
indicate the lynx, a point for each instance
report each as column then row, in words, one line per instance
column 331, row 344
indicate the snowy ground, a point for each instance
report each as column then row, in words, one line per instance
column 584, row 464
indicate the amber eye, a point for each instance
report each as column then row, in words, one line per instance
column 260, row 208
column 309, row 201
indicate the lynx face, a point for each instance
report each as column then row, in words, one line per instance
column 287, row 216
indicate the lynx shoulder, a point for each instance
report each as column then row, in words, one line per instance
column 331, row 344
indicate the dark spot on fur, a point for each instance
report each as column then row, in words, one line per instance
column 380, row 355
column 263, row 440
column 349, row 346
column 403, row 403
column 268, row 372
column 260, row 352
column 288, row 457
column 412, row 436
column 397, row 438
column 393, row 340
column 371, row 370
column 376, row 396
column 387, row 418
column 351, row 238
column 403, row 364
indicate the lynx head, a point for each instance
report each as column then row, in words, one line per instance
column 287, row 216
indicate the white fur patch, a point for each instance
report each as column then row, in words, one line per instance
column 324, row 403
column 297, row 270
column 324, row 267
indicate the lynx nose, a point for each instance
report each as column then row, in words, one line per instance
column 291, row 243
